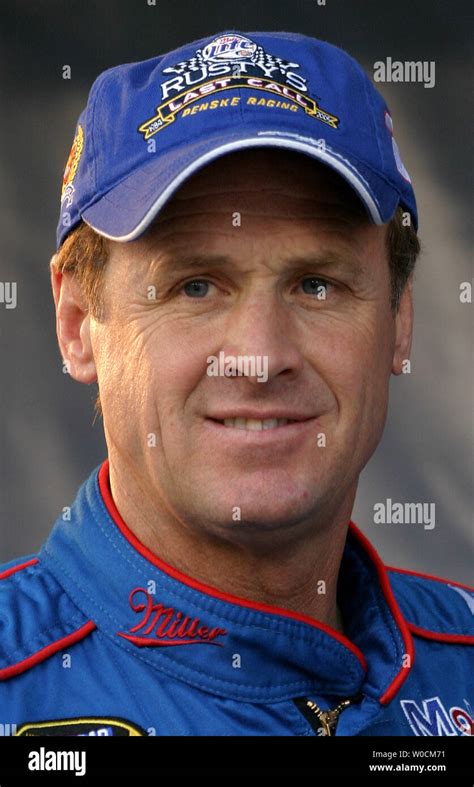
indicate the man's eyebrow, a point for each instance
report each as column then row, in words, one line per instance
column 329, row 259
column 174, row 263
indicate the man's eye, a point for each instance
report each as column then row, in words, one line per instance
column 196, row 288
column 312, row 285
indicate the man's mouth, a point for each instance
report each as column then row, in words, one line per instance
column 254, row 421
column 273, row 431
column 256, row 424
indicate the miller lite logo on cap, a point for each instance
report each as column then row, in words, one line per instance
column 229, row 48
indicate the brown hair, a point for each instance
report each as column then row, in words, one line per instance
column 403, row 247
column 84, row 253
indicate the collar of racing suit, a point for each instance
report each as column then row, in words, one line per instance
column 220, row 643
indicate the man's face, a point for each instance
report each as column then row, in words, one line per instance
column 263, row 254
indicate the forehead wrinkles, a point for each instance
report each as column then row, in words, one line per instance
column 212, row 213
column 261, row 247
column 264, row 182
column 268, row 194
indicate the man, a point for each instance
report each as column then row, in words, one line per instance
column 234, row 269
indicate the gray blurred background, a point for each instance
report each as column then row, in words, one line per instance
column 49, row 443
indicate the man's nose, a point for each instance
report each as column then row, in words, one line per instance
column 261, row 328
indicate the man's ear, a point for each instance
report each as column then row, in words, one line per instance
column 72, row 326
column 403, row 328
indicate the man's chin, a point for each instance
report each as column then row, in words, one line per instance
column 261, row 513
column 265, row 534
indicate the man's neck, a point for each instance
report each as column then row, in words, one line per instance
column 301, row 576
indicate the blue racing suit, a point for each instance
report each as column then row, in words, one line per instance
column 98, row 636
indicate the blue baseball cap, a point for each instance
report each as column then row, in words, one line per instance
column 149, row 126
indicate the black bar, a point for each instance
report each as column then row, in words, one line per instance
column 131, row 758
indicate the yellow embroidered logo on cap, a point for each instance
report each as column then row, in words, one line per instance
column 67, row 191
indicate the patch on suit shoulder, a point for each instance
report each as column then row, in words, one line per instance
column 90, row 725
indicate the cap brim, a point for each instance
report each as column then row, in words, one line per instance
column 127, row 210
